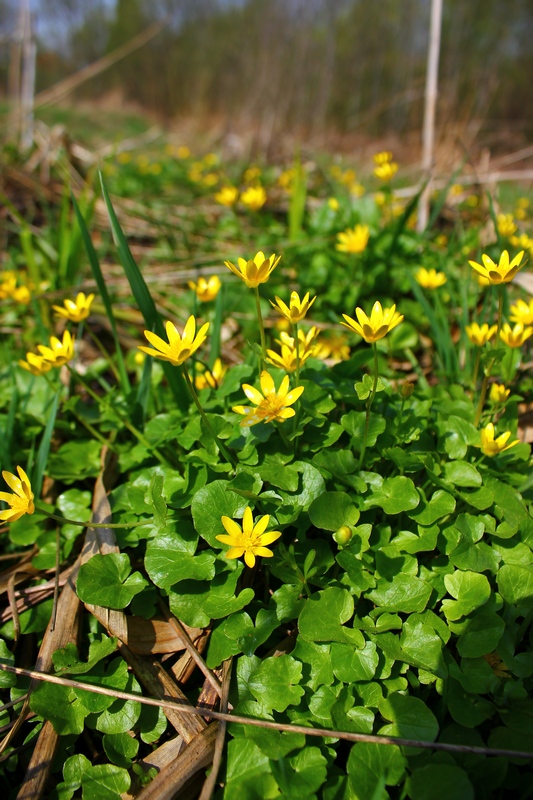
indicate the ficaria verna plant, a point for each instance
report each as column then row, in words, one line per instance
column 336, row 539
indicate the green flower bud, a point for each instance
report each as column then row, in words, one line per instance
column 343, row 535
column 407, row 390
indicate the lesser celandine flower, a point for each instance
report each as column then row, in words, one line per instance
column 491, row 446
column 305, row 340
column 75, row 310
column 523, row 241
column 353, row 240
column 206, row 290
column 335, row 347
column 59, row 352
column 255, row 271
column 227, row 196
column 271, row 405
column 385, row 168
column 251, row 174
column 250, row 540
column 498, row 393
column 296, row 310
column 211, row 377
column 375, row 327
column 35, row 364
column 502, row 272
column 21, row 502
column 179, row 348
column 506, row 225
column 291, row 358
column 430, row 278
column 333, row 203
column 522, row 312
column 515, row 337
column 480, row 334
column 254, row 197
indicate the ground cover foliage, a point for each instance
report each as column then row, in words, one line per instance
column 348, row 517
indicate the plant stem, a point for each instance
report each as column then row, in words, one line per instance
column 261, row 327
column 297, row 346
column 490, row 364
column 369, row 406
column 222, row 447
column 66, row 521
column 476, row 366
column 105, row 354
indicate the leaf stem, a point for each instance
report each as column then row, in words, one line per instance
column 222, row 447
column 490, row 364
column 369, row 406
column 89, row 524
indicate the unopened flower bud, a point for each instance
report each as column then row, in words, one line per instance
column 407, row 390
column 343, row 535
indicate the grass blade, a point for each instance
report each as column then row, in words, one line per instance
column 104, row 294
column 44, row 448
column 144, row 300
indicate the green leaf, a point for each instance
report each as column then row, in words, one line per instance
column 7, row 679
column 169, row 560
column 114, row 677
column 323, row 615
column 75, row 460
column 44, row 447
column 105, row 780
column 60, row 706
column 155, row 499
column 456, row 436
column 441, row 504
column 351, row 665
column 211, row 503
column 275, row 472
column 272, row 743
column 515, row 584
column 73, row 770
column 341, row 464
column 354, row 424
column 245, row 762
column 410, row 718
column 422, row 646
column 106, row 581
column 331, row 510
column 470, row 590
column 369, row 764
column 317, row 661
column 404, row 593
column 197, row 603
column 225, row 638
column 144, row 301
column 121, row 715
column 66, row 659
column 483, row 631
column 461, row 473
column 275, row 683
column 302, row 775
column 120, row 748
column 440, row 782
column 151, row 724
column 394, row 495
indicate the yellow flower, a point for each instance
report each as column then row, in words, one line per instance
column 21, row 502
column 383, row 157
column 480, row 334
column 498, row 393
column 306, row 340
column 335, row 347
column 503, row 272
column 59, row 352
column 506, row 224
column 139, row 359
column 430, row 278
column 286, row 179
column 206, row 290
column 179, row 348
column 381, row 321
column 296, row 310
column 75, row 311
column 250, row 540
column 288, row 360
column 491, row 446
column 183, row 151
column 227, row 196
column 255, row 271
column 456, row 189
column 9, row 288
column 271, row 405
column 357, row 189
column 523, row 202
column 333, row 203
column 254, row 197
column 210, row 179
column 353, row 240
column 522, row 312
column 21, row 294
column 523, row 241
column 211, row 378
column 124, row 158
column 35, row 364
column 515, row 337
column 385, row 172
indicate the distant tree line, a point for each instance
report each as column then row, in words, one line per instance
column 307, row 65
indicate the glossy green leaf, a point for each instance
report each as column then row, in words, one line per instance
column 470, row 590
column 331, row 510
column 106, row 581
column 275, row 683
column 410, row 718
column 323, row 616
column 394, row 495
